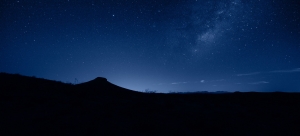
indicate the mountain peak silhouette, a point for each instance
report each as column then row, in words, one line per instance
column 101, row 84
column 99, row 79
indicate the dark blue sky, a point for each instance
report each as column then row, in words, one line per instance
column 163, row 45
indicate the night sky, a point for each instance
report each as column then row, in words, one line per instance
column 163, row 45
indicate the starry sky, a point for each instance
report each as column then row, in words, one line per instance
column 162, row 45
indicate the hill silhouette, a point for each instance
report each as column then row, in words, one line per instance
column 100, row 85
column 34, row 106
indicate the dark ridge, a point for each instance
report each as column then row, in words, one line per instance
column 102, row 86
column 35, row 106
column 19, row 82
column 99, row 80
column 6, row 78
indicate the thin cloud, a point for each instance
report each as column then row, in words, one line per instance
column 176, row 83
column 276, row 71
column 260, row 82
column 286, row 71
column 249, row 74
column 200, row 81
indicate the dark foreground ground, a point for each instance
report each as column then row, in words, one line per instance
column 32, row 106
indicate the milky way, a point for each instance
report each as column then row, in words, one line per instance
column 206, row 25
